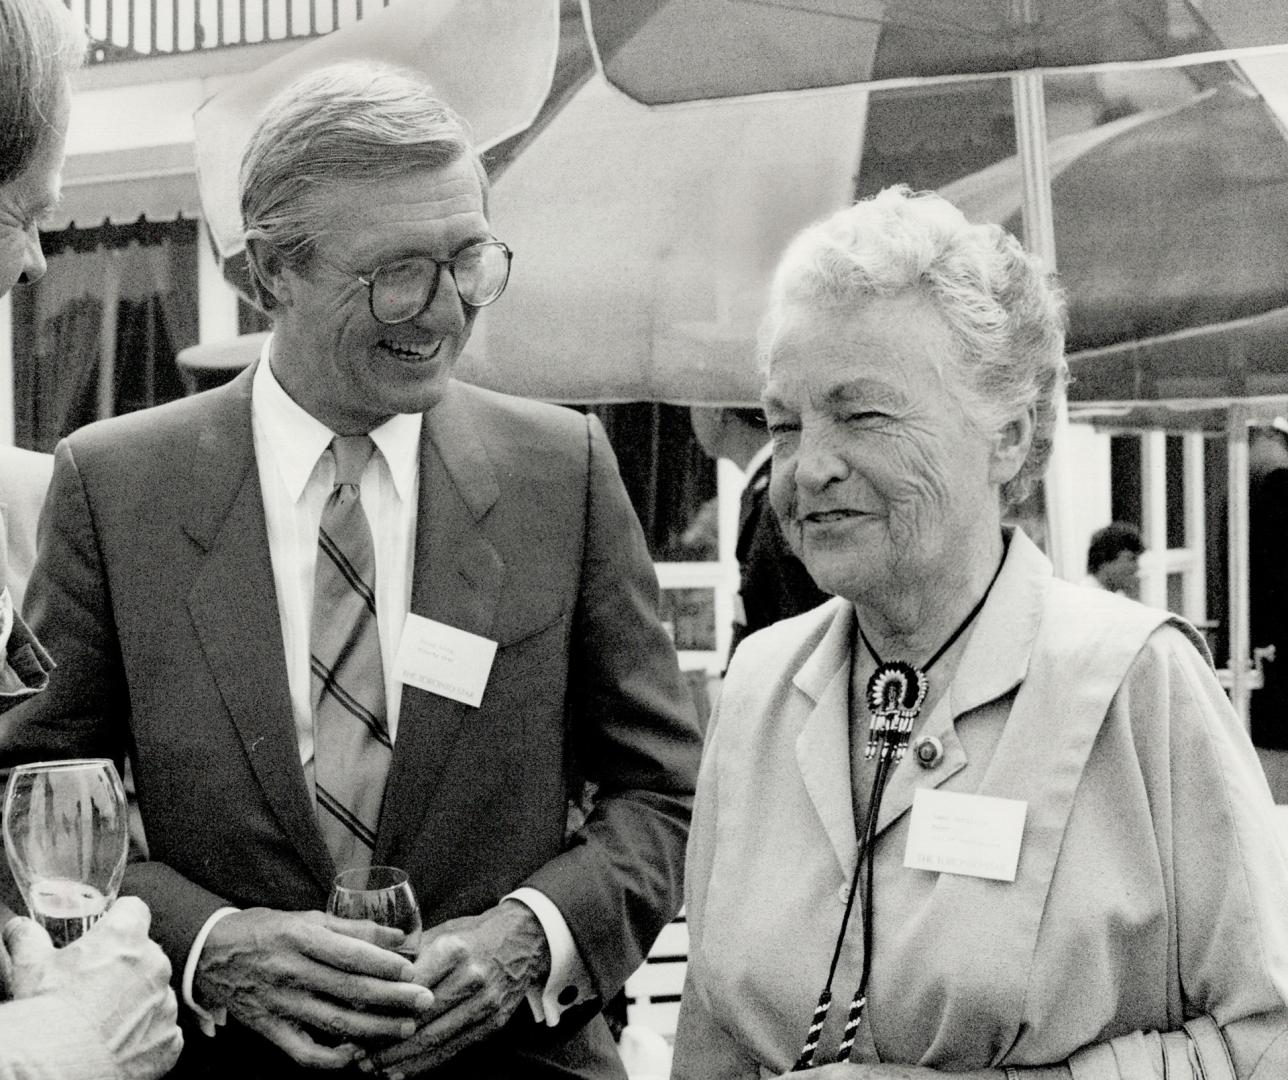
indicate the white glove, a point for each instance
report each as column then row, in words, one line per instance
column 114, row 975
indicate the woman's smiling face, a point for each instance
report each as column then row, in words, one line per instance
column 880, row 477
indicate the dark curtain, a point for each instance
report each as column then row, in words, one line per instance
column 671, row 482
column 98, row 335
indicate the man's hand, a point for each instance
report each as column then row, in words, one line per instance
column 114, row 975
column 480, row 969
column 294, row 975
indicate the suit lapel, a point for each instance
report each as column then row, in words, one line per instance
column 234, row 610
column 456, row 580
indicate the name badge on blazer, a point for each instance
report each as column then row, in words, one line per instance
column 444, row 660
column 955, row 833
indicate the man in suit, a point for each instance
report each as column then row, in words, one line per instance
column 102, row 1006
column 773, row 583
column 250, row 590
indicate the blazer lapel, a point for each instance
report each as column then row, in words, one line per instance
column 234, row 611
column 995, row 660
column 456, row 580
column 823, row 745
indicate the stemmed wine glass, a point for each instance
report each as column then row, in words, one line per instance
column 382, row 894
column 66, row 836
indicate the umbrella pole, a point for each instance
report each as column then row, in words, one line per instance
column 1039, row 237
column 1236, row 434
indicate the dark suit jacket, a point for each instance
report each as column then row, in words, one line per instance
column 1268, row 593
column 154, row 591
column 773, row 582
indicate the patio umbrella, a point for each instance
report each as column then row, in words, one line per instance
column 1165, row 221
column 492, row 60
column 666, row 51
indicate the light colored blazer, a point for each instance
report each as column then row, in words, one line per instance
column 1150, row 887
column 47, row 1038
column 154, row 590
column 24, row 480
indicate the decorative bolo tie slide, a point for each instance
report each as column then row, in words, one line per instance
column 896, row 692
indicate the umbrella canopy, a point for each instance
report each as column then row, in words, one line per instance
column 1169, row 224
column 644, row 242
column 491, row 60
column 666, row 51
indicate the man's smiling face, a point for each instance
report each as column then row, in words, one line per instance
column 329, row 352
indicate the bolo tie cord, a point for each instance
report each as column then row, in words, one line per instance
column 895, row 695
column 857, row 1003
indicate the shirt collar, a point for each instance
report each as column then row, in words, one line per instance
column 758, row 459
column 296, row 439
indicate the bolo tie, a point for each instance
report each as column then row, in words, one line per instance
column 895, row 694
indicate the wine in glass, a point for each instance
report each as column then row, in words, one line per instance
column 382, row 894
column 66, row 836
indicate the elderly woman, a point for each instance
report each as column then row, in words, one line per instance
column 1010, row 825
column 102, row 1007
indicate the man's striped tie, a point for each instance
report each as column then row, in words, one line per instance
column 351, row 744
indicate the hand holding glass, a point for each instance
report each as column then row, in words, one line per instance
column 66, row 836
column 382, row 894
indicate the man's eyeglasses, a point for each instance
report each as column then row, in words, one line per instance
column 402, row 290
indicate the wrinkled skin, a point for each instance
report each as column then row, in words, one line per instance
column 294, row 975
column 886, row 479
column 480, row 969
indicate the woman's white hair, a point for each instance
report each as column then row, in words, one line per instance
column 342, row 124
column 1004, row 310
column 41, row 44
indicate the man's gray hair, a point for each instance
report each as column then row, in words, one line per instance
column 41, row 44
column 1002, row 307
column 347, row 123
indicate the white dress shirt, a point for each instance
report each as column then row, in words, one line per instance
column 296, row 480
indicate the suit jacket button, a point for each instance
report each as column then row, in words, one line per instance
column 567, row 996
column 929, row 751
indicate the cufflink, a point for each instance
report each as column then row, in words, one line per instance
column 928, row 751
column 567, row 996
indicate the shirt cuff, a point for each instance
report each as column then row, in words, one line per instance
column 569, row 982
column 208, row 1019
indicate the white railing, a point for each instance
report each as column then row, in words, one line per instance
column 133, row 29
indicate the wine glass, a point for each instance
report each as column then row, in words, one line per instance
column 66, row 836
column 382, row 894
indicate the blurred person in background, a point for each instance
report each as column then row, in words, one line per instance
column 1113, row 559
column 1268, row 579
column 772, row 582
column 102, row 1007
column 1010, row 826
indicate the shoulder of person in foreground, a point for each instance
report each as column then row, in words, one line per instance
column 24, row 474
